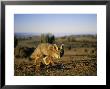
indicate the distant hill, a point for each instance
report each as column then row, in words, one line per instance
column 22, row 35
column 55, row 34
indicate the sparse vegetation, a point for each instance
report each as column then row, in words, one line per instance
column 47, row 38
column 15, row 41
column 79, row 59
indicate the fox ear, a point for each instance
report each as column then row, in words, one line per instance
column 62, row 46
column 55, row 47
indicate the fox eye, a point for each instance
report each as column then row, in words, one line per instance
column 55, row 47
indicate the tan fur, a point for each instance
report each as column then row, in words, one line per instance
column 46, row 52
column 48, row 60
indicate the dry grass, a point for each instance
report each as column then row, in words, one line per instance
column 80, row 60
column 69, row 65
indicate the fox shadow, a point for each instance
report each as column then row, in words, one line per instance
column 56, row 66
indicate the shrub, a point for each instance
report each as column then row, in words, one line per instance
column 23, row 52
column 47, row 38
column 71, row 39
column 15, row 41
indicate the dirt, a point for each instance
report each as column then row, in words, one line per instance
column 68, row 65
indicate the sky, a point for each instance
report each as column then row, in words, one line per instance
column 56, row 23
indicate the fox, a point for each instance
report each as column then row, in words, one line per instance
column 45, row 50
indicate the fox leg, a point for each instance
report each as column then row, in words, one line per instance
column 37, row 63
column 51, row 61
column 37, row 58
column 46, row 60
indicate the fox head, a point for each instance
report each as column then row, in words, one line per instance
column 55, row 53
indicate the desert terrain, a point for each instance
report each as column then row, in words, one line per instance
column 79, row 59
